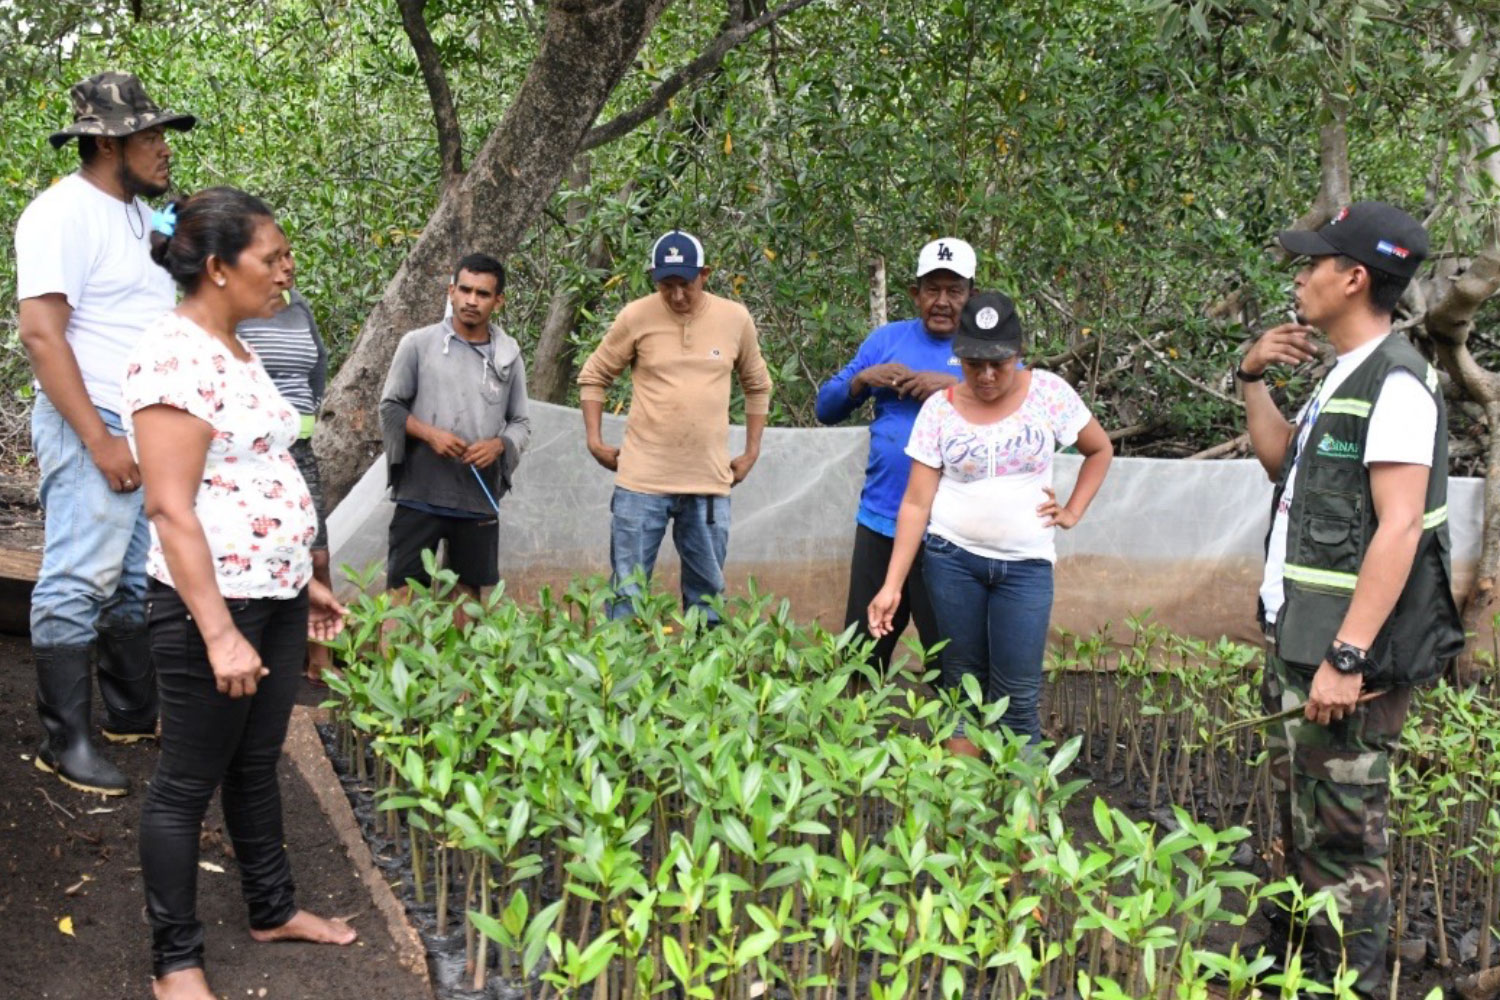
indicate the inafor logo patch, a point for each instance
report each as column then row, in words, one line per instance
column 1332, row 447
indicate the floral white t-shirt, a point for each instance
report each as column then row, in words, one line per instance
column 252, row 502
column 994, row 474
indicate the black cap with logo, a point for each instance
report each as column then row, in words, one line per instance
column 1374, row 233
column 988, row 329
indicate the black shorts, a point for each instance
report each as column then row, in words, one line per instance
column 473, row 547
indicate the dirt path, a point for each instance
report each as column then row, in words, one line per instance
column 86, row 868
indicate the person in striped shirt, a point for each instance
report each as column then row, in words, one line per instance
column 293, row 354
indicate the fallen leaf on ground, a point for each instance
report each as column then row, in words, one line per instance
column 77, row 885
column 66, row 926
column 209, row 866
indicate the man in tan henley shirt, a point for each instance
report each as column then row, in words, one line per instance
column 681, row 346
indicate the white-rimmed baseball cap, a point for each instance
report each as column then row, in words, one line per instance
column 947, row 254
column 677, row 254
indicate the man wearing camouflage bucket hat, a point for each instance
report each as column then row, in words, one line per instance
column 87, row 288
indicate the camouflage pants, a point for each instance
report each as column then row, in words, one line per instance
column 1332, row 786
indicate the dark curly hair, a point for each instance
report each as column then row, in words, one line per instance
column 216, row 222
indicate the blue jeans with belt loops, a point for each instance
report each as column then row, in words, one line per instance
column 700, row 531
column 94, row 557
column 995, row 614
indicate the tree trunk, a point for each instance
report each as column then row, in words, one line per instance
column 445, row 116
column 877, row 293
column 1449, row 323
column 551, row 369
column 586, row 48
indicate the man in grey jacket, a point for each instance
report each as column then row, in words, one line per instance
column 454, row 419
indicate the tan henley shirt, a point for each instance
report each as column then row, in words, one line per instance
column 677, row 430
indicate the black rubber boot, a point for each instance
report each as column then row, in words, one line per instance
column 127, row 684
column 64, row 693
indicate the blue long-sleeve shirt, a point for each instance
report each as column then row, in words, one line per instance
column 907, row 342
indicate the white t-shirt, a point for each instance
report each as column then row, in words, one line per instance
column 1403, row 424
column 95, row 249
column 252, row 501
column 994, row 474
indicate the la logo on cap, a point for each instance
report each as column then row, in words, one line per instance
column 944, row 252
column 987, row 318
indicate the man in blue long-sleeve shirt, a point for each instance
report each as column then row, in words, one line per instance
column 898, row 366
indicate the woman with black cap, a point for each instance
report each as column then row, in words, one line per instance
column 981, row 493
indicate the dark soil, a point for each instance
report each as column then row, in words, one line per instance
column 446, row 958
column 85, row 867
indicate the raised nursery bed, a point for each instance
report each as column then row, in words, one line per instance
column 580, row 809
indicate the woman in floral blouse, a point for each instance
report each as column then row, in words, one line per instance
column 231, row 600
column 981, row 504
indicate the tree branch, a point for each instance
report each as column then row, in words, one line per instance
column 1223, row 448
column 450, row 138
column 700, row 67
column 1333, row 171
column 1450, row 321
column 1134, row 430
column 1333, row 192
column 1181, row 373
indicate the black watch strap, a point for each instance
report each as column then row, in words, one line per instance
column 1243, row 376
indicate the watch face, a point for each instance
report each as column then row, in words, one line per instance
column 1347, row 661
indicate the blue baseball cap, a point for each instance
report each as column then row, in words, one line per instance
column 676, row 255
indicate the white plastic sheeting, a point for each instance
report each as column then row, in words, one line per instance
column 1181, row 538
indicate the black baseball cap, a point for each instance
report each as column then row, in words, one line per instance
column 988, row 329
column 1374, row 233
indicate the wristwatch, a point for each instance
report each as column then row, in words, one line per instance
column 1347, row 659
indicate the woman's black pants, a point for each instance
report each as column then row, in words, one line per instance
column 211, row 741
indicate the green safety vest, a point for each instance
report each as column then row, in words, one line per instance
column 1330, row 524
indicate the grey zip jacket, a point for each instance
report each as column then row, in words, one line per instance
column 443, row 380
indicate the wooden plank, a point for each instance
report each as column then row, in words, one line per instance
column 20, row 564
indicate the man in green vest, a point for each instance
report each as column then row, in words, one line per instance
column 1356, row 601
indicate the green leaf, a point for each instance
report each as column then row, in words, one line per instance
column 738, row 837
column 1479, row 61
column 754, row 946
column 671, row 952
column 953, row 983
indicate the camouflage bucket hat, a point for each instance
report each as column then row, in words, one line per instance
column 115, row 105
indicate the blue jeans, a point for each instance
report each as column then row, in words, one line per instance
column 94, row 557
column 994, row 614
column 700, row 530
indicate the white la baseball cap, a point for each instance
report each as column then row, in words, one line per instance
column 947, row 254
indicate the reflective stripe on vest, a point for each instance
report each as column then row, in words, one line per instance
column 1320, row 577
column 1335, row 580
column 1348, row 407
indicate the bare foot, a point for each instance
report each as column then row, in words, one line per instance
column 184, row 984
column 306, row 926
